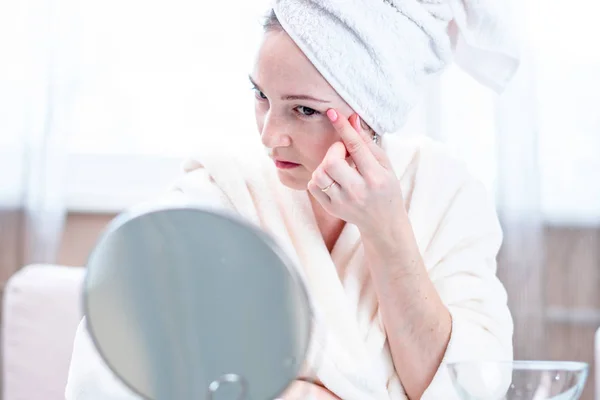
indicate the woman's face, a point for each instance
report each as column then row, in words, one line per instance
column 291, row 101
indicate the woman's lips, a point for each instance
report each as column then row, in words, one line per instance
column 285, row 164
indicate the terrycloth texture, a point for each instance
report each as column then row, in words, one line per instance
column 379, row 54
column 457, row 232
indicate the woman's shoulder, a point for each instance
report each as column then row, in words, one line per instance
column 438, row 186
column 220, row 176
column 420, row 161
column 448, row 206
column 243, row 159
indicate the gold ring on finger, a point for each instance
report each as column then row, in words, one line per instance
column 328, row 187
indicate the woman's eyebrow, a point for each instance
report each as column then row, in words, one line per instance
column 291, row 97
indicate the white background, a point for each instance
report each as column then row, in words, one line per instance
column 161, row 78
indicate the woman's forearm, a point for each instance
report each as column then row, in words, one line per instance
column 418, row 325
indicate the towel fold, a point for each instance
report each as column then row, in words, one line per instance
column 380, row 54
column 482, row 32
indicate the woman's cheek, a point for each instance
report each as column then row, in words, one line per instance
column 319, row 151
column 259, row 116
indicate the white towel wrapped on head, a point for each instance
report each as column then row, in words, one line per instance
column 379, row 54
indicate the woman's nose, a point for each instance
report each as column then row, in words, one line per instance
column 274, row 132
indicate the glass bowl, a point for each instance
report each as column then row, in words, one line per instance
column 518, row 380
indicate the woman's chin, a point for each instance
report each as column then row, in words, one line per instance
column 292, row 182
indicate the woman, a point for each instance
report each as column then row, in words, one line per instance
column 404, row 263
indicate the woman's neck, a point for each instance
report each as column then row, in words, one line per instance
column 329, row 226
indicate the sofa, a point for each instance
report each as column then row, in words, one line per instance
column 41, row 312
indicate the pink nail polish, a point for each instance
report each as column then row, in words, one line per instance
column 332, row 115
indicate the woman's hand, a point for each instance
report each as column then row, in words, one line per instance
column 355, row 181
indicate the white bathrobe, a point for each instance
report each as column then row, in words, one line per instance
column 458, row 234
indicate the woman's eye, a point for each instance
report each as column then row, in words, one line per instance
column 260, row 95
column 306, row 111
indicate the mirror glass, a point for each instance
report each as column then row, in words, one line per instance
column 192, row 303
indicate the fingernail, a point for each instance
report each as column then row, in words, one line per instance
column 332, row 115
column 357, row 123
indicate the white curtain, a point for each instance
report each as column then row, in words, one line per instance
column 535, row 146
column 38, row 76
column 161, row 78
column 497, row 137
column 522, row 257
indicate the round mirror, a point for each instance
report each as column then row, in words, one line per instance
column 190, row 303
